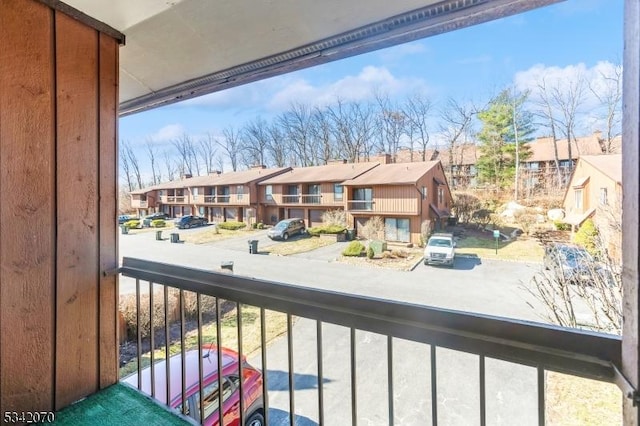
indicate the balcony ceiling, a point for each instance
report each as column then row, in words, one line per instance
column 180, row 49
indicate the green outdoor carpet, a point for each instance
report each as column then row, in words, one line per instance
column 118, row 405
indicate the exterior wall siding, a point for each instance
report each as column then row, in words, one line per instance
column 58, row 97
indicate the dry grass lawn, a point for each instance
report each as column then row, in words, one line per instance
column 276, row 325
column 209, row 235
column 402, row 259
column 520, row 249
column 301, row 245
column 573, row 401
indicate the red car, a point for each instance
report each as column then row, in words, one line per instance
column 251, row 387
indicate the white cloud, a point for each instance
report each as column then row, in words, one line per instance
column 599, row 78
column 350, row 88
column 167, row 133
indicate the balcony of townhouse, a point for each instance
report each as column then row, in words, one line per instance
column 398, row 346
column 312, row 199
column 176, row 199
column 290, row 199
column 395, row 206
column 139, row 204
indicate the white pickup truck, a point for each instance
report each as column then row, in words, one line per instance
column 440, row 250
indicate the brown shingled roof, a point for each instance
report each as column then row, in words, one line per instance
column 542, row 148
column 610, row 165
column 394, row 174
column 229, row 178
column 327, row 173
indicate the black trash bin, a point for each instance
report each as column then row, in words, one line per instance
column 351, row 234
column 175, row 238
column 125, row 229
column 227, row 265
column 159, row 235
column 253, row 246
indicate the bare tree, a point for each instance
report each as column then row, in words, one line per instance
column 609, row 94
column 325, row 149
column 132, row 163
column 568, row 96
column 169, row 165
column 391, row 125
column 417, row 109
column 455, row 127
column 125, row 167
column 254, row 141
column 546, row 112
column 152, row 153
column 231, row 146
column 277, row 147
column 353, row 127
column 297, row 127
column 207, row 151
column 187, row 153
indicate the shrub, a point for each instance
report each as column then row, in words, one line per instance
column 334, row 217
column 325, row 229
column 370, row 253
column 260, row 225
column 158, row 223
column 354, row 249
column 373, row 229
column 135, row 223
column 586, row 236
column 561, row 226
column 232, row 226
column 254, row 226
column 465, row 204
column 403, row 254
column 526, row 218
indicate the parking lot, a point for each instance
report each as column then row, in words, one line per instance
column 488, row 287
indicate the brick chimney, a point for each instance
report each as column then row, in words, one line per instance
column 186, row 176
column 383, row 158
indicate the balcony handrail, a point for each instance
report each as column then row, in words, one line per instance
column 578, row 352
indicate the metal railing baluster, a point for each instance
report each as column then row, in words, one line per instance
column 434, row 388
column 241, row 384
column 167, row 342
column 292, row 407
column 354, row 395
column 152, row 342
column 320, row 373
column 200, row 366
column 219, row 356
column 139, row 334
column 263, row 354
column 541, row 396
column 183, row 363
column 390, row 378
column 483, row 392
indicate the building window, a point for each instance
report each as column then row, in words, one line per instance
column 440, row 195
column 338, row 191
column 577, row 199
column 239, row 192
column 362, row 199
column 534, row 165
column 564, row 164
column 397, row 230
column 604, row 198
column 424, row 192
column 161, row 193
column 268, row 192
column 195, row 191
column 292, row 190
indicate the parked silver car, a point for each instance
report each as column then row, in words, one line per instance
column 287, row 228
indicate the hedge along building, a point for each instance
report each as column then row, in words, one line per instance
column 404, row 195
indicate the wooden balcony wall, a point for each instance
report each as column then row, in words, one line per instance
column 58, row 99
column 204, row 194
column 281, row 198
column 390, row 199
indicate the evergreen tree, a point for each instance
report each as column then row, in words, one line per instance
column 503, row 121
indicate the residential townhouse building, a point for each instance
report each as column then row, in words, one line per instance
column 404, row 195
column 308, row 192
column 595, row 191
column 218, row 196
column 539, row 172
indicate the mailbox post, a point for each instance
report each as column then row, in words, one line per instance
column 496, row 235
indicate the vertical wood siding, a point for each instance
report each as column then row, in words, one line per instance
column 401, row 199
column 58, row 124
column 27, row 207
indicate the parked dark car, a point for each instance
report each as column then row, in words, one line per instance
column 124, row 218
column 253, row 398
column 569, row 262
column 154, row 216
column 186, row 222
column 287, row 228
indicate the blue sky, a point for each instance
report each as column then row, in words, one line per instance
column 469, row 65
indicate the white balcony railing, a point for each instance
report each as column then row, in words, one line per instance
column 360, row 205
column 291, row 199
